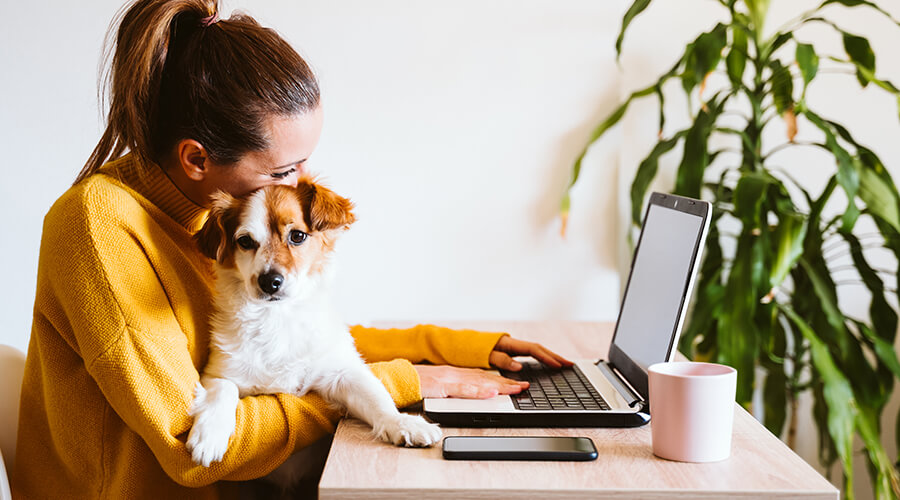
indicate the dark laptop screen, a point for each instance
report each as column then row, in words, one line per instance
column 656, row 290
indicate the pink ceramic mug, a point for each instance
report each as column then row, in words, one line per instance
column 692, row 410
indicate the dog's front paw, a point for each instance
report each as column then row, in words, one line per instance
column 208, row 439
column 409, row 430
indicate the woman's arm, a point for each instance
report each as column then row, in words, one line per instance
column 113, row 310
column 427, row 343
column 149, row 384
column 463, row 348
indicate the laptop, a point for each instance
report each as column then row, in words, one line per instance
column 611, row 392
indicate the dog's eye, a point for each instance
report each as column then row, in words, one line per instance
column 297, row 237
column 246, row 242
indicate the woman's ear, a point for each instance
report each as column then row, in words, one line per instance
column 192, row 159
column 326, row 209
column 212, row 237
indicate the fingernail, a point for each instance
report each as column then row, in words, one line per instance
column 516, row 365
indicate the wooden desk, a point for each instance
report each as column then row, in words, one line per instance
column 761, row 466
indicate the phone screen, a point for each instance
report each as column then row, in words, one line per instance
column 519, row 448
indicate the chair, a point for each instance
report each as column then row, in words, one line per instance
column 12, row 368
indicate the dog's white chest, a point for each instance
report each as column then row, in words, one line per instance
column 269, row 355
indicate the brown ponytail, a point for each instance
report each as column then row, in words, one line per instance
column 178, row 73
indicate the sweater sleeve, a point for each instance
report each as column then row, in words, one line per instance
column 427, row 343
column 124, row 327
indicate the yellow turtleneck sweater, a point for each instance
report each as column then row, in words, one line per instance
column 120, row 333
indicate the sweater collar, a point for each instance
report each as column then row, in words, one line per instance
column 149, row 180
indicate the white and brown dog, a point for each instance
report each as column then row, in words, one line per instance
column 274, row 329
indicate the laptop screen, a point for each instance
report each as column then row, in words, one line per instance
column 658, row 287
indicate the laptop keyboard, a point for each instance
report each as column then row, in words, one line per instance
column 564, row 389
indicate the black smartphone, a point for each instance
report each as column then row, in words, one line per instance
column 519, row 448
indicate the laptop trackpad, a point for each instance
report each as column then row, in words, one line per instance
column 456, row 405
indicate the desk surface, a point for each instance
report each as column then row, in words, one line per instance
column 760, row 464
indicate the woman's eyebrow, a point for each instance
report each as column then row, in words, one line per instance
column 291, row 164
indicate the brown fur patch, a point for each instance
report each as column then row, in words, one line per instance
column 325, row 209
column 214, row 238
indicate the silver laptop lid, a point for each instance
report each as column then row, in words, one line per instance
column 659, row 285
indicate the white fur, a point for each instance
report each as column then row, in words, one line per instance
column 293, row 345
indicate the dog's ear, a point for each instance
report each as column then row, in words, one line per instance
column 324, row 208
column 211, row 238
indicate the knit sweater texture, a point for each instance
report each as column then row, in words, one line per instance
column 120, row 334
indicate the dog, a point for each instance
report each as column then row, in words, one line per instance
column 274, row 329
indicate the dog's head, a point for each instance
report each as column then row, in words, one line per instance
column 277, row 241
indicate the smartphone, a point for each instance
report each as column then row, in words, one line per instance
column 519, row 448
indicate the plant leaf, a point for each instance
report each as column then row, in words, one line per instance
column 846, row 348
column 842, row 409
column 702, row 56
column 876, row 188
column 869, row 76
column 646, row 172
column 879, row 197
column 758, row 10
column 736, row 61
column 710, row 291
column 601, row 129
column 848, row 170
column 808, row 62
column 662, row 109
column 827, row 448
column 696, row 158
column 883, row 349
column 782, row 87
column 748, row 197
column 775, row 400
column 789, row 235
column 883, row 317
column 824, row 289
column 737, row 336
column 777, row 42
column 636, row 8
column 861, row 54
column 606, row 125
column 887, row 480
column 856, row 3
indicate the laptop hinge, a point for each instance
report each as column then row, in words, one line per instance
column 619, row 382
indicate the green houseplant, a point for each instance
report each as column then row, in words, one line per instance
column 771, row 302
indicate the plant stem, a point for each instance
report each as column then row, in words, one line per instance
column 792, row 424
column 753, row 150
column 786, row 145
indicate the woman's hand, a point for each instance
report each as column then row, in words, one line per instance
column 452, row 382
column 442, row 381
column 507, row 347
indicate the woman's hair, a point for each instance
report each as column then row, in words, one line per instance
column 178, row 73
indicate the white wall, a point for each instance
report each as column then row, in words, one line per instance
column 451, row 125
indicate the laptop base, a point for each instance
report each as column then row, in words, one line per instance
column 547, row 419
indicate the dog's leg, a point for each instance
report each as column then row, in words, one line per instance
column 214, row 411
column 364, row 397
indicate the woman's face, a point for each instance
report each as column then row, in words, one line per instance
column 292, row 140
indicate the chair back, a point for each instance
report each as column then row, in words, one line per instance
column 12, row 369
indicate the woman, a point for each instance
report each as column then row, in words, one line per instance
column 120, row 321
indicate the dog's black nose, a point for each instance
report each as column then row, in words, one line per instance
column 270, row 282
